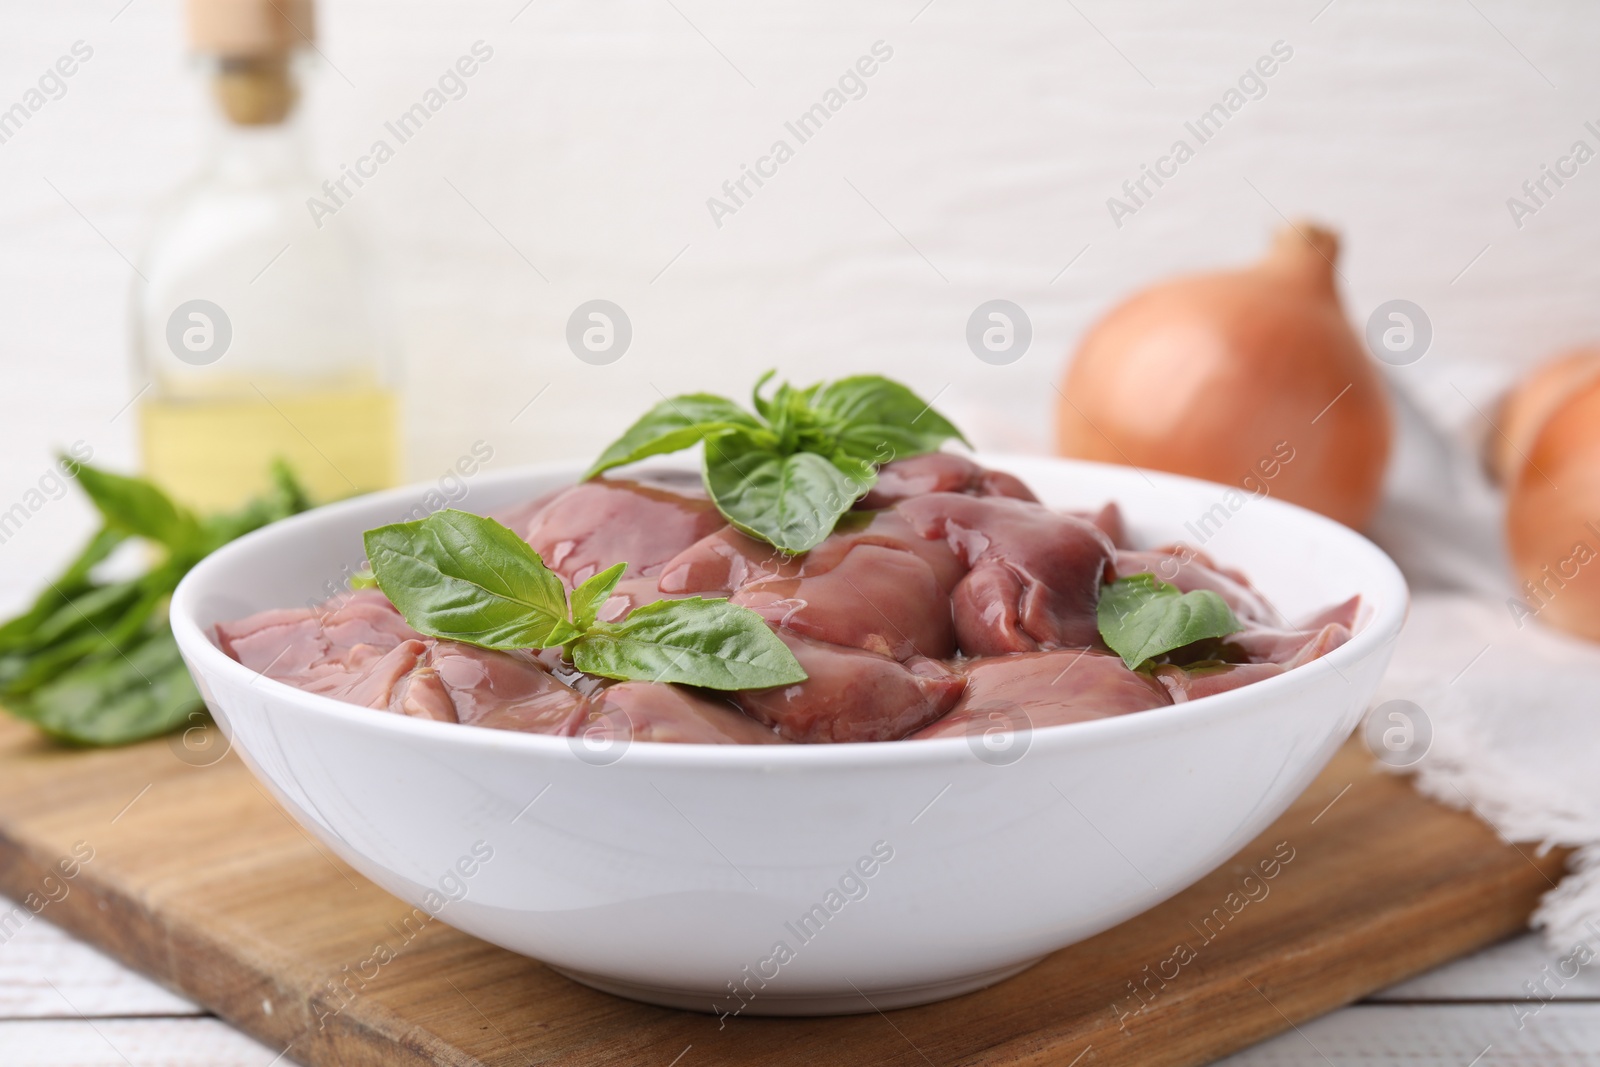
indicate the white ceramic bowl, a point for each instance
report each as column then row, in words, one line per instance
column 673, row 873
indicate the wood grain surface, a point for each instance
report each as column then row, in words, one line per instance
column 197, row 879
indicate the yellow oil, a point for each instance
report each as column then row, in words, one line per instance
column 213, row 452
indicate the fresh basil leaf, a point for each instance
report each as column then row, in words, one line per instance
column 23, row 631
column 98, row 549
column 878, row 420
column 286, row 497
column 100, row 619
column 672, row 426
column 862, row 472
column 1142, row 617
column 788, row 473
column 794, row 423
column 790, row 501
column 783, row 413
column 93, row 662
column 138, row 507
column 116, row 696
column 91, row 607
column 24, row 671
column 762, row 405
column 468, row 578
column 289, row 495
column 588, row 597
column 708, row 643
column 563, row 634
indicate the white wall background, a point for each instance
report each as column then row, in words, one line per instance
column 990, row 141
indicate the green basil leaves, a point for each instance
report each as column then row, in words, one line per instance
column 709, row 643
column 466, row 578
column 93, row 662
column 788, row 471
column 1142, row 617
column 136, row 507
column 674, row 425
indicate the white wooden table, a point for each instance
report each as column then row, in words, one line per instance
column 63, row 1004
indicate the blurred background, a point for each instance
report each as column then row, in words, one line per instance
column 585, row 156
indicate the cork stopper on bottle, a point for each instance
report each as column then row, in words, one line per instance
column 253, row 41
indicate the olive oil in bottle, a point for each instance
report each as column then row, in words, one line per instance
column 256, row 331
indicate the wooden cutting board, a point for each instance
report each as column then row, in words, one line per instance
column 200, row 881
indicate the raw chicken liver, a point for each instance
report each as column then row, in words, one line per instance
column 1190, row 569
column 583, row 530
column 939, row 472
column 851, row 695
column 358, row 649
column 644, row 711
column 949, row 602
column 1035, row 574
column 875, row 598
column 1037, row 689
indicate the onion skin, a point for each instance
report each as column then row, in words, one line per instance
column 1220, row 376
column 1530, row 404
column 1553, row 518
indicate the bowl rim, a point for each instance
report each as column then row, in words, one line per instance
column 1389, row 600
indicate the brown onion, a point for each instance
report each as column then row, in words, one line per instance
column 1526, row 408
column 1250, row 377
column 1553, row 518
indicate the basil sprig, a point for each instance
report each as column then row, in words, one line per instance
column 1142, row 617
column 92, row 661
column 786, row 472
column 467, row 578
